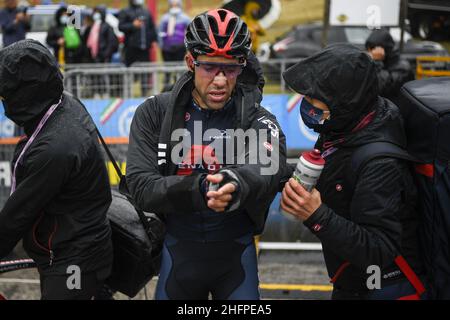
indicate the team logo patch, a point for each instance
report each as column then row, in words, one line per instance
column 268, row 146
column 187, row 116
column 317, row 227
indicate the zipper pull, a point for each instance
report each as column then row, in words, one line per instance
column 52, row 256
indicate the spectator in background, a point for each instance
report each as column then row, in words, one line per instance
column 65, row 41
column 100, row 44
column 172, row 28
column 14, row 22
column 137, row 24
column 100, row 40
column 88, row 22
column 392, row 70
column 250, row 18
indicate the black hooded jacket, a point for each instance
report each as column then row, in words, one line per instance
column 376, row 221
column 62, row 195
column 153, row 181
column 393, row 71
column 141, row 38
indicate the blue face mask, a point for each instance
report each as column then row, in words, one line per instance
column 311, row 115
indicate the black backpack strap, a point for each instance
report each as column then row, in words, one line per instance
column 123, row 188
column 364, row 154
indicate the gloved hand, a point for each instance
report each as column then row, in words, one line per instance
column 223, row 191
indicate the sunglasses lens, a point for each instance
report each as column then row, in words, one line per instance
column 210, row 70
column 232, row 71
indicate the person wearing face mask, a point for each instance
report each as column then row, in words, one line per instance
column 57, row 40
column 137, row 24
column 171, row 34
column 369, row 222
column 100, row 39
column 60, row 189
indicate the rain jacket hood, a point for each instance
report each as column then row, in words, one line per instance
column 30, row 81
column 58, row 15
column 382, row 38
column 344, row 78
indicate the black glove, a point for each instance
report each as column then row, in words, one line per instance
column 228, row 177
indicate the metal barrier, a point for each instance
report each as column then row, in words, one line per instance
column 432, row 66
column 87, row 81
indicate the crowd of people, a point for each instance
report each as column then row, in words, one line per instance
column 96, row 41
column 213, row 199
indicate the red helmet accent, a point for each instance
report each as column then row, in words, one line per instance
column 218, row 32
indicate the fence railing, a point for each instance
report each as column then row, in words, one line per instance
column 87, row 81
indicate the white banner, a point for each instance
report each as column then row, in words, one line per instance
column 371, row 13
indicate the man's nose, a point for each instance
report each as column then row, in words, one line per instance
column 220, row 79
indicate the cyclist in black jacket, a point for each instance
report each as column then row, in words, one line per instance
column 137, row 24
column 60, row 185
column 209, row 246
column 370, row 222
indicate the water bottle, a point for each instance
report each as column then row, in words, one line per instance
column 307, row 172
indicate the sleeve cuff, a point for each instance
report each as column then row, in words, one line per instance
column 317, row 220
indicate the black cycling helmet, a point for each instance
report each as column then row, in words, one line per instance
column 218, row 32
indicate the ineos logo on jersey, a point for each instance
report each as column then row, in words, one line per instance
column 223, row 135
column 268, row 146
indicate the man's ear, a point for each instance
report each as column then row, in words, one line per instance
column 189, row 62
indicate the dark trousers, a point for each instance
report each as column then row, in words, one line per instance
column 133, row 55
column 174, row 54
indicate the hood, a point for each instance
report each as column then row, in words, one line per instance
column 382, row 38
column 344, row 78
column 30, row 81
column 58, row 15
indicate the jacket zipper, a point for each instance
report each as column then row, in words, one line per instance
column 49, row 250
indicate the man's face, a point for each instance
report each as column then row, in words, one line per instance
column 215, row 79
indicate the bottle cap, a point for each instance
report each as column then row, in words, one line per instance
column 314, row 157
